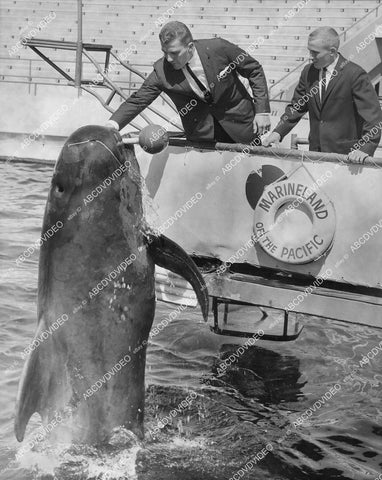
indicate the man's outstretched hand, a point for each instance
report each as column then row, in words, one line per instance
column 272, row 139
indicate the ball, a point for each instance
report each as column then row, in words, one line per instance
column 153, row 138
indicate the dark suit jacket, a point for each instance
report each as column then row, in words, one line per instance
column 349, row 111
column 232, row 105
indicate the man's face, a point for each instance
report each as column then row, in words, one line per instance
column 177, row 53
column 321, row 55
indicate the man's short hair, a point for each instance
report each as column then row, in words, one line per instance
column 172, row 30
column 328, row 36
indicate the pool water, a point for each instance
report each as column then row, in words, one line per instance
column 295, row 409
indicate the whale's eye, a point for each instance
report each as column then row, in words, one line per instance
column 59, row 188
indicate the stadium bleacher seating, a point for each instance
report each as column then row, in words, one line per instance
column 125, row 23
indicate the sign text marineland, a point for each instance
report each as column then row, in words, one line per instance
column 285, row 189
column 294, row 246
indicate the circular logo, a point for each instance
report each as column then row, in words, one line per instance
column 294, row 223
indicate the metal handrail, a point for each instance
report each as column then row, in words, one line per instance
column 102, row 71
column 288, row 154
column 280, row 153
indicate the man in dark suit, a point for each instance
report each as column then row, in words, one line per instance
column 344, row 112
column 204, row 74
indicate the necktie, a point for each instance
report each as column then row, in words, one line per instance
column 206, row 94
column 323, row 84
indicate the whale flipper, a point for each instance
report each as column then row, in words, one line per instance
column 170, row 255
column 40, row 384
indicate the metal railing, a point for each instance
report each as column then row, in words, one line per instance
column 102, row 80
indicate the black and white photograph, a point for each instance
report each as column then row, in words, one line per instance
column 191, row 240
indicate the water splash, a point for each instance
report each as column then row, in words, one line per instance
column 115, row 460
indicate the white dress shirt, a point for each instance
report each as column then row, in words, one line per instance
column 197, row 67
column 329, row 73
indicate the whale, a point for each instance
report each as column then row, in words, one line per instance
column 96, row 293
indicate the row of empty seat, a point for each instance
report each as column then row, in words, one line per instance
column 226, row 4
column 137, row 23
